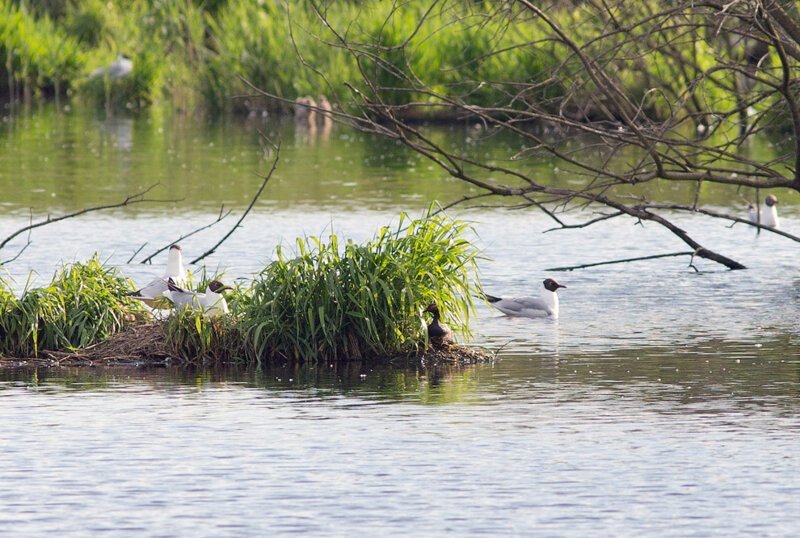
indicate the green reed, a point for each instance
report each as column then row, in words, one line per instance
column 85, row 303
column 37, row 56
column 194, row 336
column 336, row 301
column 198, row 54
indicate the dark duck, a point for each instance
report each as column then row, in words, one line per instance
column 438, row 332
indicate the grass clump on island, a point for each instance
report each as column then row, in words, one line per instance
column 85, row 303
column 335, row 301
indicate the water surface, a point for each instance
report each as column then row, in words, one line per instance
column 663, row 402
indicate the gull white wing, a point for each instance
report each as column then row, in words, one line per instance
column 212, row 304
column 152, row 290
column 529, row 307
column 183, row 299
column 152, row 293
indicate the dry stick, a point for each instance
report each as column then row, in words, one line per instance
column 149, row 259
column 137, row 251
column 626, row 260
column 24, row 248
column 132, row 199
column 252, row 203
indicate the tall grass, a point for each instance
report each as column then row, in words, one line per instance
column 165, row 41
column 37, row 56
column 198, row 54
column 336, row 301
column 193, row 336
column 332, row 301
column 84, row 304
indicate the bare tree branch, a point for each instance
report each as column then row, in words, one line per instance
column 220, row 218
column 632, row 87
column 137, row 251
column 137, row 198
column 626, row 260
column 277, row 150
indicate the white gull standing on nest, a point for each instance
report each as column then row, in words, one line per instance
column 156, row 288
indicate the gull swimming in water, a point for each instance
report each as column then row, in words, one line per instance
column 156, row 288
column 530, row 307
column 769, row 213
column 211, row 302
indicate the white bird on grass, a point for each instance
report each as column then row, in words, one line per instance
column 156, row 288
column 121, row 67
column 530, row 307
column 769, row 213
column 211, row 302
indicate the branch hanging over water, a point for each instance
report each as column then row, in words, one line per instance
column 138, row 198
column 220, row 218
column 626, row 260
column 584, row 110
column 277, row 150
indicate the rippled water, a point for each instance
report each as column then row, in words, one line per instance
column 527, row 445
column 665, row 401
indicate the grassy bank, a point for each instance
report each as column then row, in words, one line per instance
column 196, row 55
column 330, row 301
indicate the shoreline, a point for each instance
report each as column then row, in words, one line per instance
column 144, row 345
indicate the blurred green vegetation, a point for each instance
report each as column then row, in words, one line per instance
column 196, row 55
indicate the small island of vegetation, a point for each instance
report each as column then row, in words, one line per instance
column 330, row 301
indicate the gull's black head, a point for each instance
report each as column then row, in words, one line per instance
column 771, row 200
column 216, row 286
column 176, row 247
column 552, row 285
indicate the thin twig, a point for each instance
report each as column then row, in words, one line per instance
column 626, row 260
column 219, row 218
column 24, row 247
column 137, row 251
column 129, row 200
column 210, row 251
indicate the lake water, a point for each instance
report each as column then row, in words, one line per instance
column 665, row 401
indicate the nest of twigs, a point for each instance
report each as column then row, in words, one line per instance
column 144, row 343
column 452, row 353
column 138, row 343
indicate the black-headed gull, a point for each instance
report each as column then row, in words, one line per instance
column 175, row 272
column 769, row 213
column 530, row 307
column 211, row 302
column 438, row 332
